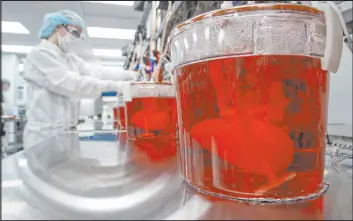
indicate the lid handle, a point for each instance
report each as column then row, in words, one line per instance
column 334, row 39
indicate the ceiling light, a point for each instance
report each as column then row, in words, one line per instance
column 126, row 3
column 107, row 53
column 114, row 33
column 113, row 63
column 13, row 27
column 16, row 49
column 12, row 183
column 20, row 67
column 114, row 67
column 22, row 162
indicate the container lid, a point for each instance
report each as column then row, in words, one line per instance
column 261, row 29
column 120, row 102
column 148, row 89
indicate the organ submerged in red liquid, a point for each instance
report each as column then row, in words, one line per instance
column 258, row 123
column 152, row 122
column 241, row 148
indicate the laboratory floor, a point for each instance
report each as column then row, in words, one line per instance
column 99, row 174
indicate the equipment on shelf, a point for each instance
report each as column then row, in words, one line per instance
column 143, row 53
column 179, row 12
column 139, row 5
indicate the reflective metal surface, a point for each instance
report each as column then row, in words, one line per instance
column 103, row 176
column 11, row 134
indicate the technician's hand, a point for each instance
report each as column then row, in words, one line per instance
column 118, row 86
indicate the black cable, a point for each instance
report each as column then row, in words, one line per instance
column 328, row 141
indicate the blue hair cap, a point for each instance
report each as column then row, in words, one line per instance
column 63, row 17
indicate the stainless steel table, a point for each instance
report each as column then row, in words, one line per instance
column 102, row 176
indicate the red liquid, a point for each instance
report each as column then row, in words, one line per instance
column 121, row 120
column 115, row 110
column 253, row 125
column 152, row 122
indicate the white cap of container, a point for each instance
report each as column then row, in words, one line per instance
column 168, row 67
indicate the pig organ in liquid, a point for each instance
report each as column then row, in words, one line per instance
column 253, row 125
column 152, row 122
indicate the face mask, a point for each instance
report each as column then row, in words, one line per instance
column 68, row 43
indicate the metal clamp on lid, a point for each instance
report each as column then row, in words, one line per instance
column 147, row 89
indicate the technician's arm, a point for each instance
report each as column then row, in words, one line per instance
column 55, row 77
column 104, row 73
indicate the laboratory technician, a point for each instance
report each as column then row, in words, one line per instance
column 57, row 78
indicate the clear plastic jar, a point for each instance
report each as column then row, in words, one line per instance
column 252, row 101
column 120, row 113
column 116, row 116
column 151, row 118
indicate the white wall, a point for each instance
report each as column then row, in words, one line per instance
column 9, row 71
column 340, row 98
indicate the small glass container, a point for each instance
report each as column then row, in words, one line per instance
column 120, row 112
column 151, row 118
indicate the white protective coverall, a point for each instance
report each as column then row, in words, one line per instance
column 56, row 83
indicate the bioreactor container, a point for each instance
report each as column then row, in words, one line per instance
column 151, row 117
column 252, row 88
